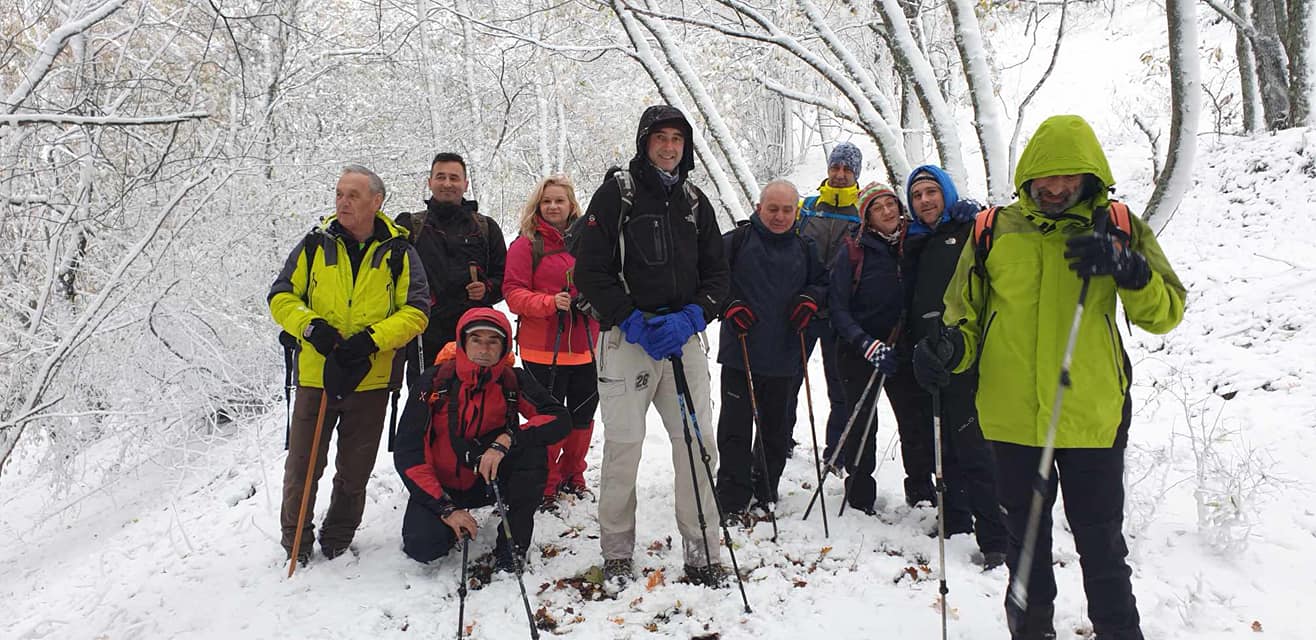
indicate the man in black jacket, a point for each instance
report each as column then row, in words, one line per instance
column 650, row 306
column 943, row 224
column 462, row 250
column 778, row 283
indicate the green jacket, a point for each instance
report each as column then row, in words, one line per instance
column 1016, row 322
column 394, row 312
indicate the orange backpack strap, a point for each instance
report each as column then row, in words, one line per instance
column 1117, row 213
column 982, row 228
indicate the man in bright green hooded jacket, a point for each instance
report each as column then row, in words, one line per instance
column 1012, row 316
column 354, row 292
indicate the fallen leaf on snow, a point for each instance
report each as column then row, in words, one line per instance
column 1256, row 626
column 656, row 579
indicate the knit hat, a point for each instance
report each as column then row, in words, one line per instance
column 871, row 192
column 920, row 176
column 848, row 156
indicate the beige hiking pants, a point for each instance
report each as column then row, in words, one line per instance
column 629, row 381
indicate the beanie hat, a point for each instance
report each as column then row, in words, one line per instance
column 848, row 156
column 924, row 175
column 871, row 192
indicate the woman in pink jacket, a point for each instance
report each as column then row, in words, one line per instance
column 554, row 336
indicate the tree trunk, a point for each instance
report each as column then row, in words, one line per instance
column 427, row 68
column 1247, row 71
column 988, row 121
column 1272, row 66
column 1302, row 20
column 912, row 121
column 1185, row 103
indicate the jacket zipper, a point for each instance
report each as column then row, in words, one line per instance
column 982, row 342
column 1115, row 351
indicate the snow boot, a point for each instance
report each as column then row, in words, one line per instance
column 618, row 569
column 713, row 576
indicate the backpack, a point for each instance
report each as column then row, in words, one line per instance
column 626, row 184
column 416, row 222
column 445, row 385
column 537, row 253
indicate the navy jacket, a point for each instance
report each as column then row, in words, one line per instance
column 767, row 271
column 874, row 308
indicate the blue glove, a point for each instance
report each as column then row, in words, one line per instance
column 964, row 210
column 633, row 327
column 671, row 331
column 882, row 357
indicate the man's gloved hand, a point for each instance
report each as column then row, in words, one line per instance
column 322, row 335
column 358, row 346
column 935, row 356
column 669, row 332
column 964, row 210
column 802, row 311
column 1100, row 254
column 634, row 327
column 881, row 356
column 341, row 375
column 740, row 316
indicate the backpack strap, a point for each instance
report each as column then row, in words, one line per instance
column 855, row 253
column 738, row 237
column 984, row 227
column 1118, row 213
column 626, row 184
column 416, row 222
column 511, row 399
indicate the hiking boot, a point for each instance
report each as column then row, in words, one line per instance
column 917, row 491
column 303, row 556
column 578, row 491
column 504, row 560
column 712, row 576
column 332, row 552
column 618, row 569
column 735, row 518
column 548, row 504
column 992, row 559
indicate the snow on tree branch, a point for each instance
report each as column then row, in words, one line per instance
column 21, row 119
column 50, row 48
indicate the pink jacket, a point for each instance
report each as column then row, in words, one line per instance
column 530, row 297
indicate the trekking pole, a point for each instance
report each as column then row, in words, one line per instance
column 557, row 346
column 932, row 317
column 762, row 446
column 289, row 343
column 689, row 419
column 461, row 588
column 863, row 444
column 1018, row 595
column 840, row 443
column 516, row 557
column 813, row 427
column 308, row 488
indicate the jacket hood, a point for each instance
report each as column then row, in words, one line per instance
column 465, row 367
column 1063, row 145
column 651, row 119
column 949, row 196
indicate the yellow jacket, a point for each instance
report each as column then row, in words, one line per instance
column 395, row 311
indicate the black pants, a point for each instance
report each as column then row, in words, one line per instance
column 828, row 342
column 859, row 454
column 520, row 478
column 739, row 472
column 969, row 468
column 575, row 386
column 1092, row 481
column 913, row 408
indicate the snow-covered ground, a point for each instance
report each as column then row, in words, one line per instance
column 1221, row 521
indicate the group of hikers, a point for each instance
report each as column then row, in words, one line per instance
column 900, row 290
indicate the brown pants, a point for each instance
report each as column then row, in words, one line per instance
column 360, row 420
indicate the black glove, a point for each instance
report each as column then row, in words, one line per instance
column 740, row 316
column 358, row 346
column 1101, row 254
column 802, row 310
column 341, row 376
column 964, row 210
column 935, row 356
column 322, row 335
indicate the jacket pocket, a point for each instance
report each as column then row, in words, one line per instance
column 646, row 239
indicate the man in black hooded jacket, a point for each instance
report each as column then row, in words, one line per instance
column 650, row 305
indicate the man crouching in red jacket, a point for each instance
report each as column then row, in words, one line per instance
column 461, row 430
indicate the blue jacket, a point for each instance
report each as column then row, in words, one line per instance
column 874, row 308
column 767, row 271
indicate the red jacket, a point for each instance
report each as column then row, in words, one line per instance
column 425, row 452
column 530, row 297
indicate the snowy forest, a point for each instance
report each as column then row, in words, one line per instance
column 159, row 158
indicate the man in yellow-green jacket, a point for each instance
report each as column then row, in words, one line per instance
column 355, row 293
column 1011, row 313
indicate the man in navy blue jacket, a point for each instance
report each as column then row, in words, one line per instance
column 778, row 283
